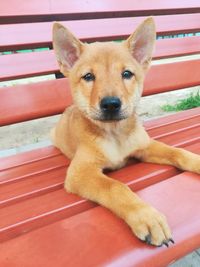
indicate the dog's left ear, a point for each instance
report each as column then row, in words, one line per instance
column 66, row 47
column 141, row 43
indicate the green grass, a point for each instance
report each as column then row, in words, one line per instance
column 192, row 101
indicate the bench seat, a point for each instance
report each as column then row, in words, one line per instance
column 64, row 226
column 42, row 225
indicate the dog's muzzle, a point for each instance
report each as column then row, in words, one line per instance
column 110, row 108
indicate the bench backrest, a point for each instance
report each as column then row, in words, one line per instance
column 27, row 25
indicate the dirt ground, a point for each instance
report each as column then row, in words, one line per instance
column 37, row 131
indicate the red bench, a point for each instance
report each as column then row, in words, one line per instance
column 42, row 225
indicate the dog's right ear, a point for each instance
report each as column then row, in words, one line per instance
column 141, row 43
column 66, row 46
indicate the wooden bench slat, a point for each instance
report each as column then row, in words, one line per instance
column 33, row 186
column 58, row 204
column 188, row 136
column 16, row 36
column 51, row 97
column 99, row 228
column 171, row 118
column 23, row 65
column 28, row 157
column 174, row 127
column 177, row 47
column 23, row 11
column 172, row 76
column 21, row 172
column 39, row 100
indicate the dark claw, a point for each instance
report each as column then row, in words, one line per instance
column 165, row 243
column 148, row 239
column 171, row 240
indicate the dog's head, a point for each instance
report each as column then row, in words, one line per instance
column 106, row 78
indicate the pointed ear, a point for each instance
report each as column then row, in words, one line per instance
column 66, row 46
column 141, row 43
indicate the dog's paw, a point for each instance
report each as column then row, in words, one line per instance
column 150, row 226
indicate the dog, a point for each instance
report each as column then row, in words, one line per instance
column 102, row 131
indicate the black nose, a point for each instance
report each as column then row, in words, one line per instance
column 110, row 104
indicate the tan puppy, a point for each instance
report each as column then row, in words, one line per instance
column 101, row 129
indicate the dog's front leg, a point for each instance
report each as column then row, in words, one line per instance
column 86, row 179
column 160, row 153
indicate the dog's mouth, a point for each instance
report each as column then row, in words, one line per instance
column 109, row 116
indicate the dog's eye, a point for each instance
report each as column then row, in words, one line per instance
column 127, row 74
column 89, row 77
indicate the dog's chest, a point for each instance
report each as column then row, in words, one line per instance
column 115, row 152
column 117, row 149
